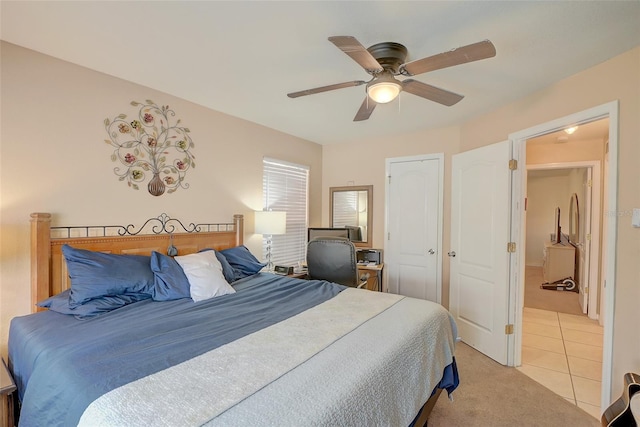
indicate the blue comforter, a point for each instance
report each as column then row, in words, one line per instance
column 62, row 364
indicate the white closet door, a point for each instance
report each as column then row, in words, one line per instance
column 413, row 259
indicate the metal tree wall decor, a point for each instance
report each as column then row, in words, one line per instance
column 150, row 147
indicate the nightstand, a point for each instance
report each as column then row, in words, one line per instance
column 7, row 387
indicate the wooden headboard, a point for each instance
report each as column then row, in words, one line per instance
column 48, row 268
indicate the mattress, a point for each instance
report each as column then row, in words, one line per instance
column 279, row 351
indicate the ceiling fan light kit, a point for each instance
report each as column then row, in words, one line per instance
column 384, row 89
column 384, row 61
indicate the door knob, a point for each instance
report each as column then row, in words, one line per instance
column 431, row 252
column 451, row 254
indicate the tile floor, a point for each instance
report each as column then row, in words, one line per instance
column 563, row 352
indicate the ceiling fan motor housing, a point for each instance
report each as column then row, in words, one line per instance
column 389, row 55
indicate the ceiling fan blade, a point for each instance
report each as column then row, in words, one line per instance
column 325, row 88
column 473, row 52
column 431, row 93
column 367, row 107
column 357, row 52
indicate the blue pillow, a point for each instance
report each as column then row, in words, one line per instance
column 96, row 274
column 170, row 281
column 242, row 262
column 228, row 271
column 60, row 304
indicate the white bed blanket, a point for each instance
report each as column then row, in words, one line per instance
column 321, row 367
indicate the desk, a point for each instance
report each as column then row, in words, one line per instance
column 374, row 283
column 374, row 272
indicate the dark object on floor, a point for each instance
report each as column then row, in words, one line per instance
column 566, row 284
column 619, row 413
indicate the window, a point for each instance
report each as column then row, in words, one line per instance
column 285, row 187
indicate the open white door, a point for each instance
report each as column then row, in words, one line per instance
column 480, row 227
column 584, row 245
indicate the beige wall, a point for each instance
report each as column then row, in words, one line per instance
column 53, row 159
column 616, row 79
column 544, row 194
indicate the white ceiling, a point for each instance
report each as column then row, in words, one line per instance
column 242, row 58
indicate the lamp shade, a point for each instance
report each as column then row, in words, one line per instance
column 384, row 88
column 384, row 92
column 270, row 222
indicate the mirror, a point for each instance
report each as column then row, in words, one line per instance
column 574, row 220
column 352, row 208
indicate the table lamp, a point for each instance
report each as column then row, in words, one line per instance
column 269, row 223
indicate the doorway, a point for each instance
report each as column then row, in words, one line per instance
column 561, row 345
column 572, row 192
column 496, row 327
column 607, row 111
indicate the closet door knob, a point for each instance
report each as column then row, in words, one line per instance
column 431, row 252
column 451, row 254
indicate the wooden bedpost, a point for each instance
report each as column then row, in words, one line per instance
column 238, row 222
column 40, row 257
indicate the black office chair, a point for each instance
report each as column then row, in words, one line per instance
column 334, row 259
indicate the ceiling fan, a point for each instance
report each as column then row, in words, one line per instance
column 385, row 61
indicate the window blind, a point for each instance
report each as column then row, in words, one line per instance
column 285, row 187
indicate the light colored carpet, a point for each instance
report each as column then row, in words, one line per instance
column 545, row 299
column 492, row 395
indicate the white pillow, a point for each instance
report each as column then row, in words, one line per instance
column 204, row 273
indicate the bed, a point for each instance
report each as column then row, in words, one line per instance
column 273, row 350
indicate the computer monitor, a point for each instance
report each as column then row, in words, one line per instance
column 314, row 232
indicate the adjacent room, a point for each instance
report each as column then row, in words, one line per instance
column 563, row 333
